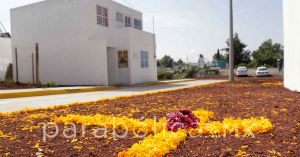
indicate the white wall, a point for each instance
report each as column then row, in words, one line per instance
column 67, row 53
column 291, row 44
column 5, row 56
column 140, row 41
column 73, row 47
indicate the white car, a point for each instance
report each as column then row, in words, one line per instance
column 242, row 71
column 262, row 71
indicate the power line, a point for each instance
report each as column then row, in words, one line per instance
column 2, row 27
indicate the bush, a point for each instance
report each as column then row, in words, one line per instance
column 191, row 72
column 164, row 74
column 51, row 84
column 212, row 72
column 180, row 73
column 9, row 83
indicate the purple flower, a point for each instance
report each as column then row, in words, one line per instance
column 183, row 119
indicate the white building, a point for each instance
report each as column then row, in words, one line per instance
column 5, row 56
column 292, row 44
column 82, row 42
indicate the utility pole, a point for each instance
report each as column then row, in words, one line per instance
column 231, row 47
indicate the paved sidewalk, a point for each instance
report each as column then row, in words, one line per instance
column 21, row 93
column 9, row 105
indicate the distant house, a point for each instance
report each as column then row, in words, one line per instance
column 5, row 54
column 292, row 44
column 201, row 61
column 82, row 42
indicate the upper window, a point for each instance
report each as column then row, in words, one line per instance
column 123, row 59
column 127, row 21
column 120, row 17
column 102, row 16
column 144, row 59
column 137, row 24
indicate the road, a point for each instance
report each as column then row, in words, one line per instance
column 9, row 105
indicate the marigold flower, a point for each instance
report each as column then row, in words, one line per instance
column 157, row 145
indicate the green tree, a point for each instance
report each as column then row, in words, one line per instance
column 179, row 62
column 268, row 54
column 218, row 56
column 167, row 62
column 240, row 54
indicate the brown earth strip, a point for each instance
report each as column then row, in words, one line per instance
column 246, row 98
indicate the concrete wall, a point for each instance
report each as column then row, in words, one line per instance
column 291, row 44
column 5, row 56
column 73, row 47
column 140, row 41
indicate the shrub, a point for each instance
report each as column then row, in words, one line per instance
column 51, row 84
column 163, row 74
column 212, row 72
column 9, row 83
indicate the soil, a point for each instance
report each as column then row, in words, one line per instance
column 246, row 98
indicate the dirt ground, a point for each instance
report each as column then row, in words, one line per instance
column 22, row 133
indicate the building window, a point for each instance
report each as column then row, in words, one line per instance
column 120, row 17
column 127, row 21
column 138, row 24
column 144, row 59
column 102, row 16
column 123, row 59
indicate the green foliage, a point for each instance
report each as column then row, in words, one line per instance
column 166, row 62
column 252, row 65
column 9, row 83
column 190, row 72
column 179, row 63
column 268, row 54
column 212, row 72
column 163, row 74
column 240, row 54
column 51, row 84
column 183, row 73
column 218, row 56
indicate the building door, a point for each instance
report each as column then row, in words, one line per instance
column 123, row 67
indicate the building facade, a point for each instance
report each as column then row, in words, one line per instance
column 291, row 44
column 5, row 56
column 82, row 42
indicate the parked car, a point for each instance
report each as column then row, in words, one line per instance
column 242, row 71
column 262, row 71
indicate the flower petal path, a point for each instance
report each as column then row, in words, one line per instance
column 162, row 142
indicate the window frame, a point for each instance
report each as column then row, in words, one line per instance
column 138, row 24
column 123, row 55
column 120, row 17
column 144, row 59
column 102, row 16
column 128, row 21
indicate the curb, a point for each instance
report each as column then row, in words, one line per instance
column 79, row 90
column 26, row 110
column 169, row 82
column 54, row 92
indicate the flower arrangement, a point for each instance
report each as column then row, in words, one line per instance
column 204, row 115
column 157, row 145
column 146, row 126
column 182, row 119
column 161, row 141
column 237, row 126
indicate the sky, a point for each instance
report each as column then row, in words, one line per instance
column 186, row 28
